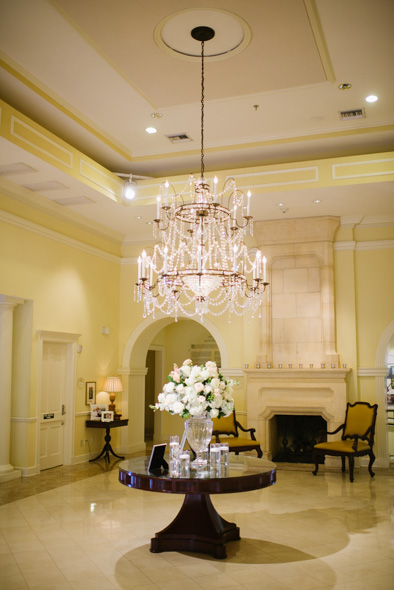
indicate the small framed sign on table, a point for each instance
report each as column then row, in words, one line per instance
column 157, row 461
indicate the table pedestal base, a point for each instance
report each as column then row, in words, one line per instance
column 197, row 527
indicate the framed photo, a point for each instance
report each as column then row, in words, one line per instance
column 107, row 416
column 91, row 392
column 96, row 410
column 157, row 460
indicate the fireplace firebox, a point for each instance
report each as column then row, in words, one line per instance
column 293, row 437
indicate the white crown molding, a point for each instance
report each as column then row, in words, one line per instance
column 57, row 237
column 372, row 371
column 372, row 245
column 375, row 245
column 351, row 245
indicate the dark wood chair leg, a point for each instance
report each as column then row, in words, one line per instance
column 371, row 462
column 351, row 467
column 343, row 459
column 259, row 453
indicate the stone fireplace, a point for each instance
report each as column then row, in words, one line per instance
column 303, row 392
column 297, row 366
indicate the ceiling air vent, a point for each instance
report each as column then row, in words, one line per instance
column 179, row 138
column 353, row 114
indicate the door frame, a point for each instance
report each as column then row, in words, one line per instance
column 70, row 341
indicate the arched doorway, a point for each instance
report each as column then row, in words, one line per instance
column 134, row 371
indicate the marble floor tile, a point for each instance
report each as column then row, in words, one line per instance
column 78, row 528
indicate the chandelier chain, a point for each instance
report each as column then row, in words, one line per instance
column 202, row 109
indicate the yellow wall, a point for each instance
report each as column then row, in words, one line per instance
column 72, row 291
column 78, row 291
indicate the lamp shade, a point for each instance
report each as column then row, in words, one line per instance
column 113, row 385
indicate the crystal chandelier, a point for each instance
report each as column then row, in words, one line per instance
column 200, row 263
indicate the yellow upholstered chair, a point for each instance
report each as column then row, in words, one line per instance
column 357, row 437
column 226, row 430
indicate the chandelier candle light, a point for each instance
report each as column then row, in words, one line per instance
column 200, row 263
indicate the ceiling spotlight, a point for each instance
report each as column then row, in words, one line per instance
column 139, row 217
column 129, row 189
column 345, row 86
column 371, row 98
column 317, row 201
column 280, row 204
column 156, row 115
column 151, row 130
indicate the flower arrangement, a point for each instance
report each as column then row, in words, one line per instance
column 193, row 390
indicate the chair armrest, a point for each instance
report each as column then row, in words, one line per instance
column 323, row 433
column 250, row 430
column 341, row 427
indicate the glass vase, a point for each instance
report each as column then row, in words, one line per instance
column 198, row 431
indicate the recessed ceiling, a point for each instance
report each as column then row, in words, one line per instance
column 95, row 82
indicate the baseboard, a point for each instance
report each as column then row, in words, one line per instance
column 82, row 458
column 29, row 471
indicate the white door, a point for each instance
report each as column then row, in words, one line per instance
column 52, row 404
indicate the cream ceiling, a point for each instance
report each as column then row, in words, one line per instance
column 92, row 73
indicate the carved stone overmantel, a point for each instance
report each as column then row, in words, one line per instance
column 298, row 321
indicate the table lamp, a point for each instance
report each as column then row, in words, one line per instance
column 112, row 385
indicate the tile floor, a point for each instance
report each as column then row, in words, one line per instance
column 304, row 533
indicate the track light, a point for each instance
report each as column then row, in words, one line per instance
column 129, row 189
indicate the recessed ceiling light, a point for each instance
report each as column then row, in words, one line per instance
column 149, row 223
column 371, row 98
column 345, row 86
column 317, row 201
column 280, row 204
column 151, row 130
column 156, row 115
column 139, row 217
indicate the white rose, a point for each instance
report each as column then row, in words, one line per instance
column 179, row 388
column 168, row 387
column 205, row 374
column 196, row 410
column 185, row 370
column 161, row 397
column 214, row 413
column 170, row 399
column 178, row 408
column 196, row 373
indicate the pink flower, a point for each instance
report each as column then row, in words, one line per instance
column 176, row 376
column 187, row 362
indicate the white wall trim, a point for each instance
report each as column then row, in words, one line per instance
column 19, row 419
column 351, row 245
column 371, row 371
column 29, row 471
column 372, row 245
column 375, row 245
column 57, row 237
column 87, row 413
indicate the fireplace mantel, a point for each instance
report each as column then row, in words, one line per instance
column 294, row 373
column 319, row 392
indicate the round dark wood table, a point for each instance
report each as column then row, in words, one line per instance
column 197, row 527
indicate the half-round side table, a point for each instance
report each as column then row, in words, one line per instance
column 197, row 527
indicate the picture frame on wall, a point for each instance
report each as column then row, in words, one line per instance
column 90, row 392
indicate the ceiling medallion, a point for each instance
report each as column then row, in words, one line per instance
column 200, row 263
